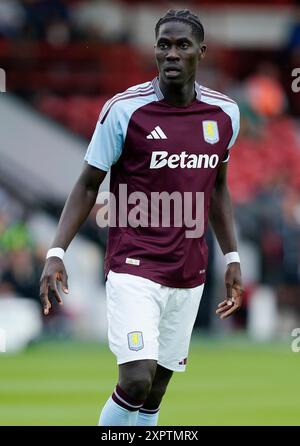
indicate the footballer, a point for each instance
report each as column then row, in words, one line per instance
column 167, row 135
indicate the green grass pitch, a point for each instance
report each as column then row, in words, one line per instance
column 226, row 383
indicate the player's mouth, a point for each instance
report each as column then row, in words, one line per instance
column 172, row 72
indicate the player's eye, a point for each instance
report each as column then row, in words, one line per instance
column 184, row 45
column 162, row 46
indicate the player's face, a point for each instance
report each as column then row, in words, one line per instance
column 177, row 52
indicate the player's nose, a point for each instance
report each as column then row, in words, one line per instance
column 172, row 54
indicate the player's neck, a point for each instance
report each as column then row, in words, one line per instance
column 178, row 95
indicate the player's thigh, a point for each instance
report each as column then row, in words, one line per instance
column 133, row 313
column 176, row 327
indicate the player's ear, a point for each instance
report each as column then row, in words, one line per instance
column 202, row 51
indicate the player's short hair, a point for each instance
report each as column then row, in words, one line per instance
column 183, row 15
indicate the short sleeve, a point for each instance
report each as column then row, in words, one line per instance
column 106, row 144
column 235, row 122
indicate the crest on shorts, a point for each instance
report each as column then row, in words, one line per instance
column 210, row 131
column 135, row 340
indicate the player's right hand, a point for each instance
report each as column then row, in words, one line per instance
column 54, row 271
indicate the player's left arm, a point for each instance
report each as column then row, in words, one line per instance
column 222, row 223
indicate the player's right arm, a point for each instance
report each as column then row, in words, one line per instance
column 77, row 208
column 103, row 151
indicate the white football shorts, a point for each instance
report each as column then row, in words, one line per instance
column 147, row 320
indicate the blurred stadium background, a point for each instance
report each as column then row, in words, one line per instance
column 63, row 59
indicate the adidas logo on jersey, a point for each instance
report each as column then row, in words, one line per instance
column 157, row 133
column 162, row 158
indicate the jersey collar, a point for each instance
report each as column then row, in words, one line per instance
column 160, row 96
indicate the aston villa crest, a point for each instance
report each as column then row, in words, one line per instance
column 135, row 340
column 210, row 131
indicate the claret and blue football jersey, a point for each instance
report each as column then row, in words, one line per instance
column 152, row 146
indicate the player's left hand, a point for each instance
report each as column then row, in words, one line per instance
column 233, row 282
